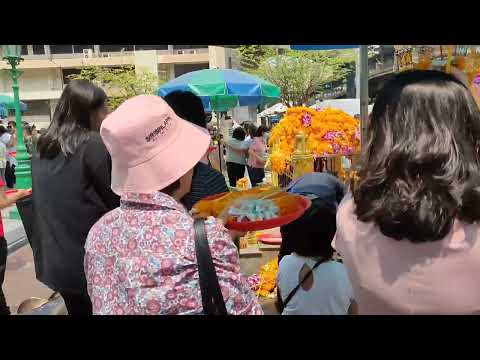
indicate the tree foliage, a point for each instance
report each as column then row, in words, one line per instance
column 119, row 83
column 300, row 77
column 341, row 62
column 299, row 74
column 251, row 56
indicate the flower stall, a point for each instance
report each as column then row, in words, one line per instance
column 462, row 61
column 323, row 138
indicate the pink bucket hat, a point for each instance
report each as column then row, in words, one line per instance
column 151, row 147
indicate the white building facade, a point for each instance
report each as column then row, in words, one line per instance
column 46, row 68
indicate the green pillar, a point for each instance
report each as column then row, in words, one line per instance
column 23, row 171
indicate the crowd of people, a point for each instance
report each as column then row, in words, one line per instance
column 114, row 232
column 8, row 148
column 246, row 148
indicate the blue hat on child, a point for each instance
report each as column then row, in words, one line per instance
column 319, row 185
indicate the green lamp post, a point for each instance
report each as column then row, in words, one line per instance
column 12, row 54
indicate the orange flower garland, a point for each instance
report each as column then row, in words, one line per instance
column 328, row 131
column 268, row 278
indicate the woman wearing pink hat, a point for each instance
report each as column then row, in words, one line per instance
column 142, row 257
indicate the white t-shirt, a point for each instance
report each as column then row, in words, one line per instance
column 3, row 155
column 5, row 138
column 331, row 293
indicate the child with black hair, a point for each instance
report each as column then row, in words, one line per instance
column 309, row 281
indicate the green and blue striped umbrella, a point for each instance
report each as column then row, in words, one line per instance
column 9, row 103
column 224, row 89
column 3, row 112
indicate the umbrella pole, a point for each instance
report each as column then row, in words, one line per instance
column 219, row 143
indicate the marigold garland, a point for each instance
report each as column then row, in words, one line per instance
column 328, row 131
column 268, row 278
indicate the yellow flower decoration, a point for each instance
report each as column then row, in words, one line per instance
column 328, row 131
column 268, row 278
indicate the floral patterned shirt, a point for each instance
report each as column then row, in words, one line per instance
column 140, row 259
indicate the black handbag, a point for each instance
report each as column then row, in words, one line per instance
column 212, row 298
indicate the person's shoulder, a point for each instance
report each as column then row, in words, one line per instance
column 95, row 139
column 107, row 221
column 337, row 267
column 95, row 144
column 287, row 261
column 345, row 211
column 207, row 172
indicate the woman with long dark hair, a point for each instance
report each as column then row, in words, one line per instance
column 409, row 237
column 71, row 174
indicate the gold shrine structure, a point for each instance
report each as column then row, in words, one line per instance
column 303, row 162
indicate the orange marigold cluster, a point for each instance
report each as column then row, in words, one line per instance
column 268, row 278
column 328, row 131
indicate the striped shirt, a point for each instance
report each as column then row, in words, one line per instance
column 206, row 181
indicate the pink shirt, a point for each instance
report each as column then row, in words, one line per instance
column 2, row 233
column 257, row 147
column 140, row 260
column 399, row 277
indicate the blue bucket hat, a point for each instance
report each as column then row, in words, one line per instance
column 319, row 185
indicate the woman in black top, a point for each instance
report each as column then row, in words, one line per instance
column 71, row 174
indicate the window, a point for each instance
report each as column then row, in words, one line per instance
column 78, row 49
column 24, row 50
column 151, row 47
column 37, row 108
column 181, row 69
column 115, row 48
column 38, row 49
column 163, row 75
column 61, row 49
column 183, row 47
column 67, row 72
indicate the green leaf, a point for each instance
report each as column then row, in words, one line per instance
column 119, row 83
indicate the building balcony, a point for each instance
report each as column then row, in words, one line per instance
column 178, row 56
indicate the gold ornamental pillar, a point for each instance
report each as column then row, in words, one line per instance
column 302, row 160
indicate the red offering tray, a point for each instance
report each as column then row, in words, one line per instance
column 303, row 204
column 270, row 239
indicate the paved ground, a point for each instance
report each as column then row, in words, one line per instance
column 20, row 282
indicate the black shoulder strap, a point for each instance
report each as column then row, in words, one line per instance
column 212, row 299
column 294, row 291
